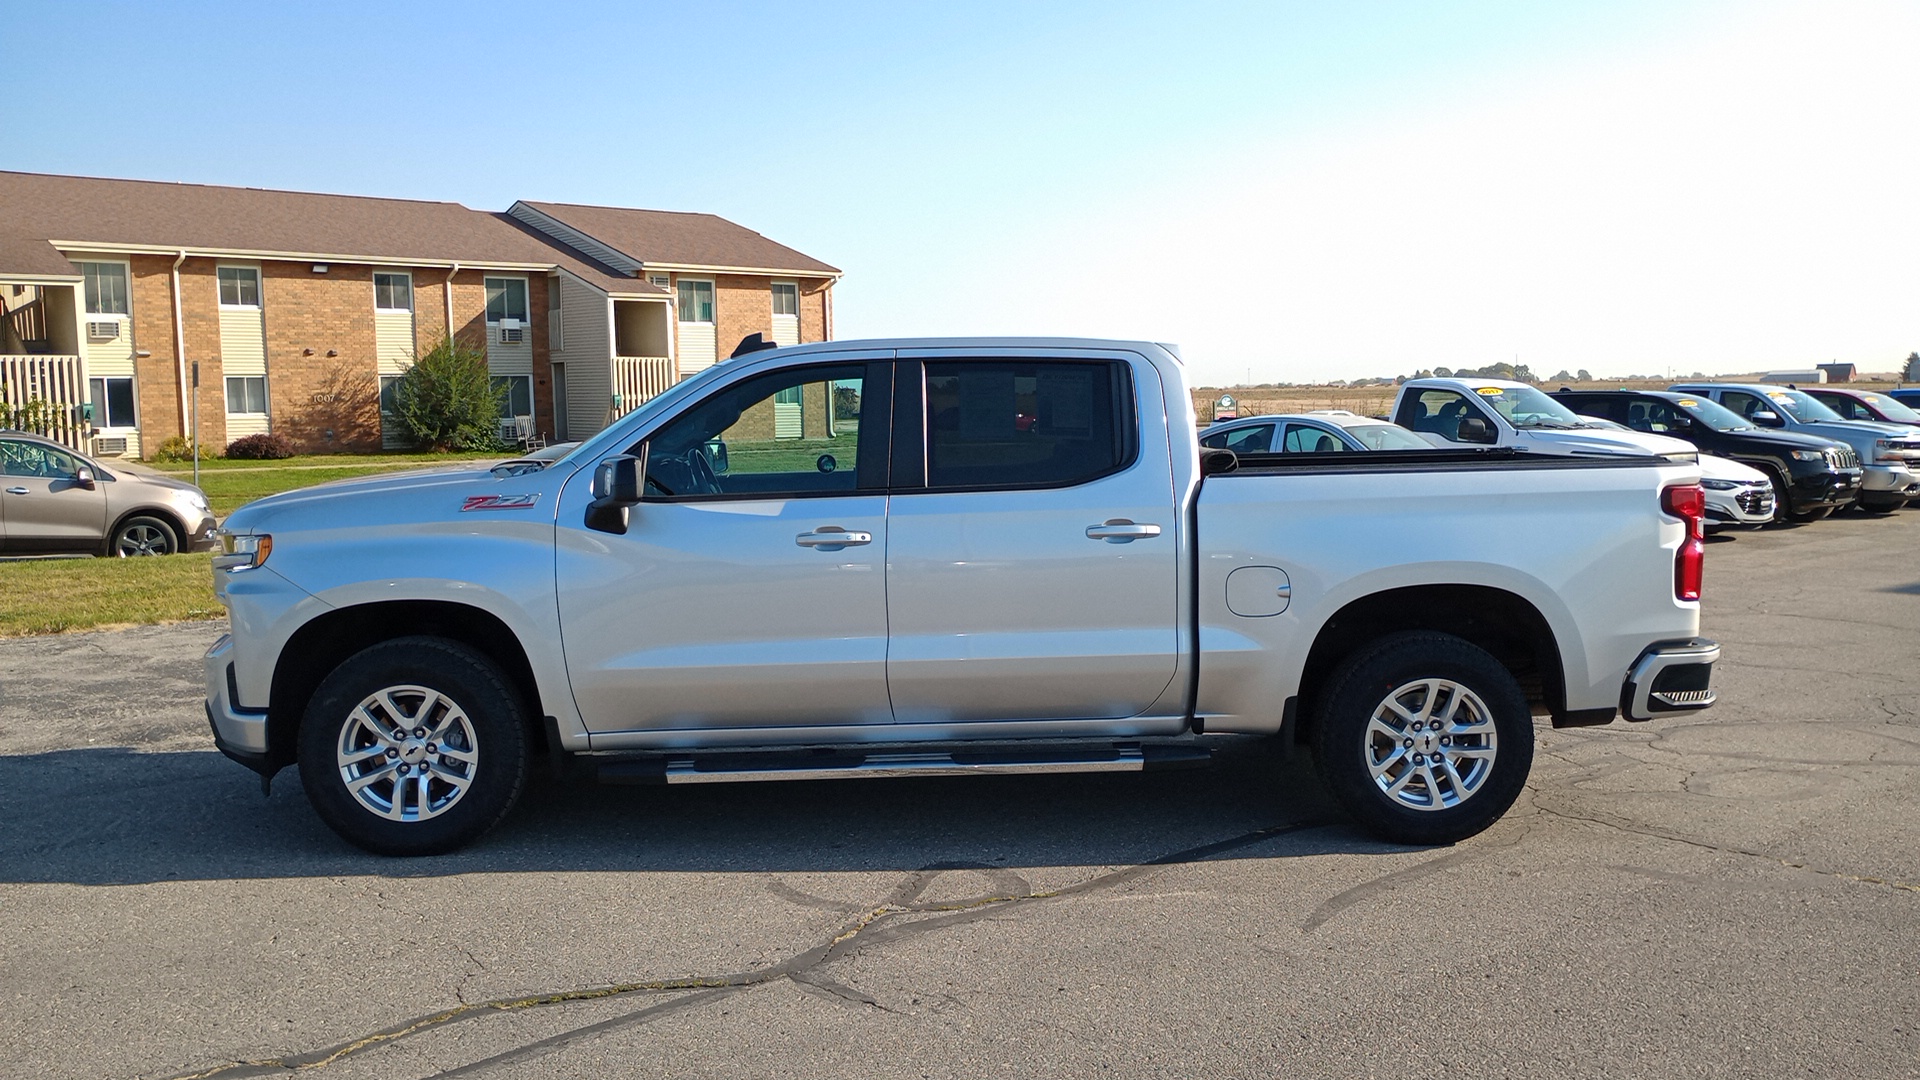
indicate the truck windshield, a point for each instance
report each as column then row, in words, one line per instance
column 1714, row 415
column 1891, row 409
column 1525, row 407
column 1801, row 407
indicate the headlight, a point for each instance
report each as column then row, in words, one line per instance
column 195, row 498
column 242, row 552
column 1809, row 455
column 1720, row 485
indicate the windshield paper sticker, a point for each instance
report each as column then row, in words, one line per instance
column 500, row 502
column 1490, row 391
column 1687, row 403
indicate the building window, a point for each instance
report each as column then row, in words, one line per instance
column 786, row 298
column 246, row 394
column 112, row 401
column 393, row 292
column 506, row 299
column 239, row 286
column 696, row 301
column 106, row 285
column 518, row 398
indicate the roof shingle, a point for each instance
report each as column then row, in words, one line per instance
column 662, row 236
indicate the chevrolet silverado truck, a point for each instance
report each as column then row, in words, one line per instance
column 947, row 556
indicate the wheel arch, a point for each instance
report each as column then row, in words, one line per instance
column 167, row 517
column 1506, row 625
column 330, row 638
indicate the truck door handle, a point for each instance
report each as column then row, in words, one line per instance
column 16, row 491
column 1121, row 531
column 832, row 538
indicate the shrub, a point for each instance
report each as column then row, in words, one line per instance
column 175, row 448
column 447, row 401
column 263, row 447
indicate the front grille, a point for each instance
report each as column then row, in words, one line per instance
column 1759, row 501
column 1845, row 458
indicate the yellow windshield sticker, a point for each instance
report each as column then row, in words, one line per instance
column 1490, row 391
column 1779, row 397
column 1874, row 398
column 1688, row 403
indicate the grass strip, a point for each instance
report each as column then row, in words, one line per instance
column 52, row 596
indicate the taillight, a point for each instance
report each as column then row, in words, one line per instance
column 1688, row 503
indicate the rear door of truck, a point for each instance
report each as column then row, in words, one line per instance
column 1032, row 538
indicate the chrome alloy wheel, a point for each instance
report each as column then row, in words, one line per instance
column 143, row 540
column 407, row 753
column 1430, row 744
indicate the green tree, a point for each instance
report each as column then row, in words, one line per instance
column 1584, row 375
column 447, row 401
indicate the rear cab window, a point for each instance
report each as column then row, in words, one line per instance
column 994, row 423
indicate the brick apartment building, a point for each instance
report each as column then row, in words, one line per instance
column 301, row 309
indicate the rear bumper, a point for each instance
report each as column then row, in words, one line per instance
column 1670, row 677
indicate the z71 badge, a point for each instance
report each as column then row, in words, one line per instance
column 500, row 502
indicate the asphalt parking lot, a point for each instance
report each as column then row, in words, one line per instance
column 1735, row 894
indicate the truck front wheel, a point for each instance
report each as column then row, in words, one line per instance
column 414, row 746
column 1425, row 738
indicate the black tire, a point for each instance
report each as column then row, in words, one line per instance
column 1807, row 516
column 482, row 720
column 1495, row 747
column 143, row 535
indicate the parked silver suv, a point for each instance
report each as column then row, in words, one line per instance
column 54, row 500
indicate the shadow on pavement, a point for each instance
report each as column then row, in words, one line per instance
column 112, row 816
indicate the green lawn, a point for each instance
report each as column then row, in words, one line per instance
column 50, row 596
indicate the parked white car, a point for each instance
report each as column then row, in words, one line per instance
column 1318, row 432
column 1499, row 412
column 1736, row 494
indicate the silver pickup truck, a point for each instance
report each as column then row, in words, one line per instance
column 920, row 557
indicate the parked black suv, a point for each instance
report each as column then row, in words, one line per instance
column 1811, row 476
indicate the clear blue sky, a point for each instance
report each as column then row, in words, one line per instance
column 1298, row 191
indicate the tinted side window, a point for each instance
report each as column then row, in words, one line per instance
column 1438, row 412
column 1026, row 423
column 786, row 433
column 1743, row 403
column 1257, row 439
column 1307, row 439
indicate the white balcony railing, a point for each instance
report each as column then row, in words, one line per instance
column 43, row 394
column 636, row 379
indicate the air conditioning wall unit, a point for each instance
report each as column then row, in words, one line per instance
column 109, row 447
column 510, row 331
column 103, row 329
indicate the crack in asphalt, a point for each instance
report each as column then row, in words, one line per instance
column 869, row 929
column 1672, row 838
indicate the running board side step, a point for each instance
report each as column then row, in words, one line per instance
column 734, row 767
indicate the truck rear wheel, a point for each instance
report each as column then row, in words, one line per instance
column 1425, row 738
column 414, row 746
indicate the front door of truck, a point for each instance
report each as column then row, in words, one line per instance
column 749, row 589
column 1033, row 560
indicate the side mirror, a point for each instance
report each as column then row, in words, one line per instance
column 717, row 456
column 84, row 478
column 1766, row 418
column 616, row 489
column 1473, row 429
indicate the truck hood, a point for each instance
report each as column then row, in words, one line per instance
column 1598, row 440
column 437, row 494
column 1859, row 433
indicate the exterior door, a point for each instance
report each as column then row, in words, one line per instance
column 1034, row 573
column 43, row 506
column 749, row 589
